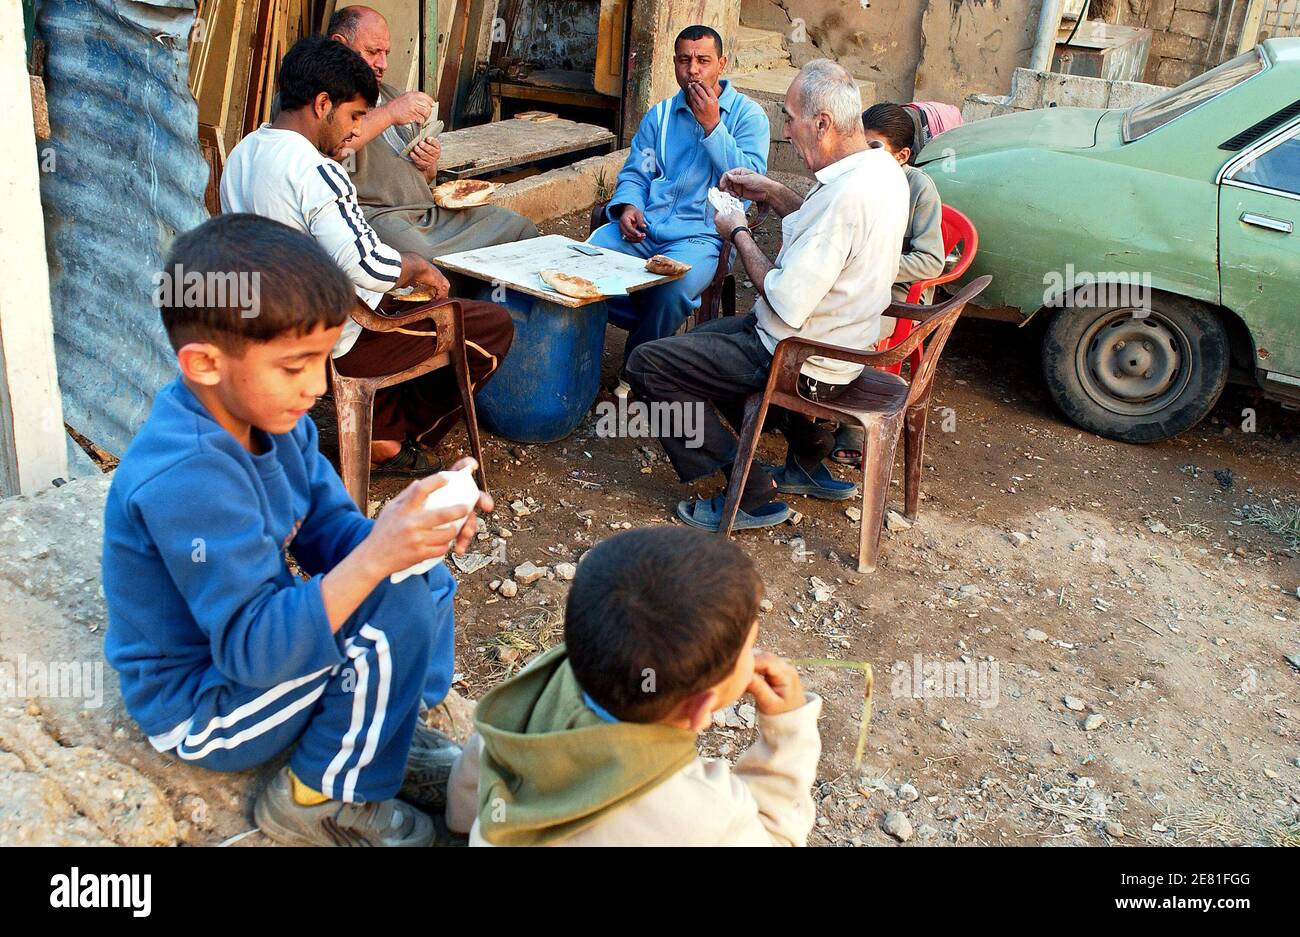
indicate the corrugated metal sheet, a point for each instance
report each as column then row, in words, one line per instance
column 127, row 178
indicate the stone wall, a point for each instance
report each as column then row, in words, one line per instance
column 1031, row 89
column 946, row 49
column 1188, row 36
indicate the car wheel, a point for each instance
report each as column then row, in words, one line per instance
column 1136, row 375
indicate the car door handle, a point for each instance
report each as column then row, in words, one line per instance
column 1263, row 221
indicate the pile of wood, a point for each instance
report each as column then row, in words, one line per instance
column 235, row 51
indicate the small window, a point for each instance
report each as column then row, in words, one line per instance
column 1278, row 169
column 1143, row 118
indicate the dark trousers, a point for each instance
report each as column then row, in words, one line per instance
column 426, row 408
column 717, row 365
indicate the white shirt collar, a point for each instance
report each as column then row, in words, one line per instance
column 828, row 174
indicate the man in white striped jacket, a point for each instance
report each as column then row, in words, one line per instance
column 284, row 170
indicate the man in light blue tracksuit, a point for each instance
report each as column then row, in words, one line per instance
column 660, row 204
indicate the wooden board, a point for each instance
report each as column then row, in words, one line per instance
column 608, row 76
column 213, row 85
column 476, row 151
column 519, row 265
column 212, row 146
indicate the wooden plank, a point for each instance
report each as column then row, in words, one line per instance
column 213, row 148
column 233, row 120
column 608, row 78
column 518, row 266
column 468, row 59
column 1251, row 25
column 257, row 71
column 452, row 47
column 221, row 51
column 429, row 48
column 553, row 96
column 487, row 147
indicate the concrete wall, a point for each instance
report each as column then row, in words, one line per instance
column 1031, row 89
column 655, row 24
column 973, row 44
column 880, row 43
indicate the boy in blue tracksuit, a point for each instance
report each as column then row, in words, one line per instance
column 660, row 203
column 226, row 657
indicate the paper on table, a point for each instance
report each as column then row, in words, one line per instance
column 612, row 285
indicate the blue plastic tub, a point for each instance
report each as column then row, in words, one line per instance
column 551, row 376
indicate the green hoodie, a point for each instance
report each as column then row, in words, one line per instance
column 551, row 767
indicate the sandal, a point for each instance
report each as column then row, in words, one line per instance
column 848, row 446
column 793, row 479
column 410, row 462
column 707, row 515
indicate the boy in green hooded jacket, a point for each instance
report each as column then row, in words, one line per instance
column 593, row 744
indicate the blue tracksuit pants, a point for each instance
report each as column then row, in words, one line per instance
column 352, row 723
column 659, row 311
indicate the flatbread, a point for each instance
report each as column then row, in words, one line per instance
column 569, row 285
column 413, row 294
column 464, row 193
column 666, row 266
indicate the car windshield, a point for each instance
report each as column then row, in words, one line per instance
column 1143, row 118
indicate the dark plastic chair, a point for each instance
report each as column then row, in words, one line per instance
column 883, row 404
column 354, row 397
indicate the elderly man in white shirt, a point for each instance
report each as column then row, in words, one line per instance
column 830, row 283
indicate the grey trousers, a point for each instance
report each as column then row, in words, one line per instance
column 716, row 366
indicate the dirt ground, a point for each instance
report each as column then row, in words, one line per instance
column 1105, row 585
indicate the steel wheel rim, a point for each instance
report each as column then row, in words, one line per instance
column 1134, row 362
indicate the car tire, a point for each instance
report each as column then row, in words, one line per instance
column 1136, row 375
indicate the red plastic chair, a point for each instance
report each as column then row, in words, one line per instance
column 957, row 229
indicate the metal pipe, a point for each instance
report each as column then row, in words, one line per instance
column 1049, row 21
column 1227, row 28
column 1209, row 44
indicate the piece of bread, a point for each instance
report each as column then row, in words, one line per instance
column 464, row 193
column 413, row 294
column 666, row 266
column 569, row 285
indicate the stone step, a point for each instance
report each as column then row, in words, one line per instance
column 757, row 49
column 767, row 88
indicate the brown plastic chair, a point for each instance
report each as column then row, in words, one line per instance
column 354, row 397
column 719, row 297
column 882, row 403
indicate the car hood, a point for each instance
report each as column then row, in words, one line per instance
column 1051, row 127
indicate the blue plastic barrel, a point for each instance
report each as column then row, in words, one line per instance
column 550, row 378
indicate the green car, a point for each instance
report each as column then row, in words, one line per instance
column 1160, row 240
